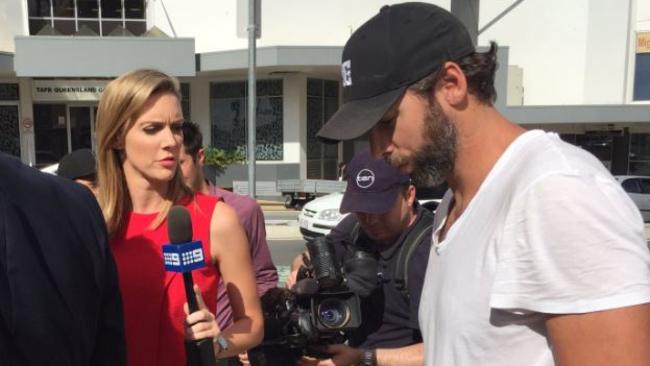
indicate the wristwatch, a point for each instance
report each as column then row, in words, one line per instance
column 222, row 342
column 368, row 358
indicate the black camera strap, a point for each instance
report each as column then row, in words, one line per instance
column 415, row 236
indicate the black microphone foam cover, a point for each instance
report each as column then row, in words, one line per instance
column 179, row 225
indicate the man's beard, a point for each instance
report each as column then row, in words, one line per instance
column 435, row 160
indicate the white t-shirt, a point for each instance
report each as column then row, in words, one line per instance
column 549, row 231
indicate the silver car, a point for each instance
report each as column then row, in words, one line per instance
column 638, row 188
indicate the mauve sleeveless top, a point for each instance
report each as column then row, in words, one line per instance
column 152, row 298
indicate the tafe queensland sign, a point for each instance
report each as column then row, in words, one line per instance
column 67, row 90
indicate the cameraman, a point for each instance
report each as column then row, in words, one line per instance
column 386, row 218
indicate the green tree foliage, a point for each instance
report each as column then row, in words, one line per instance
column 221, row 159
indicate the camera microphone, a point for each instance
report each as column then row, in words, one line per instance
column 184, row 255
column 325, row 265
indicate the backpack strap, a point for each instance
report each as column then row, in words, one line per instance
column 356, row 232
column 415, row 236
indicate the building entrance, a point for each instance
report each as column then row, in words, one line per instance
column 62, row 128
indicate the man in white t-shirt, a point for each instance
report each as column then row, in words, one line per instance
column 539, row 257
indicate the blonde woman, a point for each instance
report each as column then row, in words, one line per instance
column 139, row 138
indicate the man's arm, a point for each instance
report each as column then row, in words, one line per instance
column 299, row 261
column 110, row 347
column 343, row 355
column 296, row 263
column 412, row 355
column 612, row 337
column 266, row 275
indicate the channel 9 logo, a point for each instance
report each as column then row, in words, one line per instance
column 183, row 257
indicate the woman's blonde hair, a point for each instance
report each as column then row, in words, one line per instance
column 119, row 107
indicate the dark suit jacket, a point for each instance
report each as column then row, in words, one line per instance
column 59, row 295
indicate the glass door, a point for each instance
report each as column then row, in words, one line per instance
column 81, row 127
column 50, row 133
column 60, row 129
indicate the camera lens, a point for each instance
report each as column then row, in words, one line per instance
column 333, row 313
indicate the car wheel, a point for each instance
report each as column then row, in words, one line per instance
column 289, row 202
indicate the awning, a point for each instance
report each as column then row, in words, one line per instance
column 6, row 63
column 277, row 58
column 65, row 56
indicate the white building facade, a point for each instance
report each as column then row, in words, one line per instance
column 581, row 68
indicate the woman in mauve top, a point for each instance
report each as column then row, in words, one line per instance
column 139, row 138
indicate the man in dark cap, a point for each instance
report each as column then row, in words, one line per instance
column 530, row 267
column 388, row 224
column 80, row 166
column 60, row 302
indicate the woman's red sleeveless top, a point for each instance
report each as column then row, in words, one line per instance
column 152, row 298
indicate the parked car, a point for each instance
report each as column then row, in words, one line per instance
column 638, row 188
column 319, row 216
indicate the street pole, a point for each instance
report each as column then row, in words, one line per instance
column 251, row 98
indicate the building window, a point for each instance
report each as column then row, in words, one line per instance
column 87, row 17
column 185, row 101
column 50, row 133
column 9, row 92
column 639, row 154
column 60, row 129
column 9, row 133
column 322, row 103
column 228, row 108
column 642, row 67
column 642, row 77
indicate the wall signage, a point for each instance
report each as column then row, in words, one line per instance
column 27, row 123
column 67, row 90
column 643, row 42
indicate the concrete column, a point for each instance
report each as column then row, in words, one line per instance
column 295, row 121
column 200, row 106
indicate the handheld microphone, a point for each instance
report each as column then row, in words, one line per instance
column 184, row 255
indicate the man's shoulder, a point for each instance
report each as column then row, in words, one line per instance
column 46, row 199
column 19, row 180
column 422, row 227
column 546, row 154
column 247, row 209
column 417, row 243
column 237, row 201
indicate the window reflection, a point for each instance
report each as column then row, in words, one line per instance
column 50, row 133
column 322, row 103
column 228, row 108
column 83, row 17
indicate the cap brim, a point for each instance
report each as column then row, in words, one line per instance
column 368, row 202
column 357, row 117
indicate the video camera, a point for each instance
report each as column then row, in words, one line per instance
column 320, row 309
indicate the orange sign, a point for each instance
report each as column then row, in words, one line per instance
column 643, row 42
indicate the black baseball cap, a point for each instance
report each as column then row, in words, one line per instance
column 394, row 49
column 77, row 164
column 373, row 185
